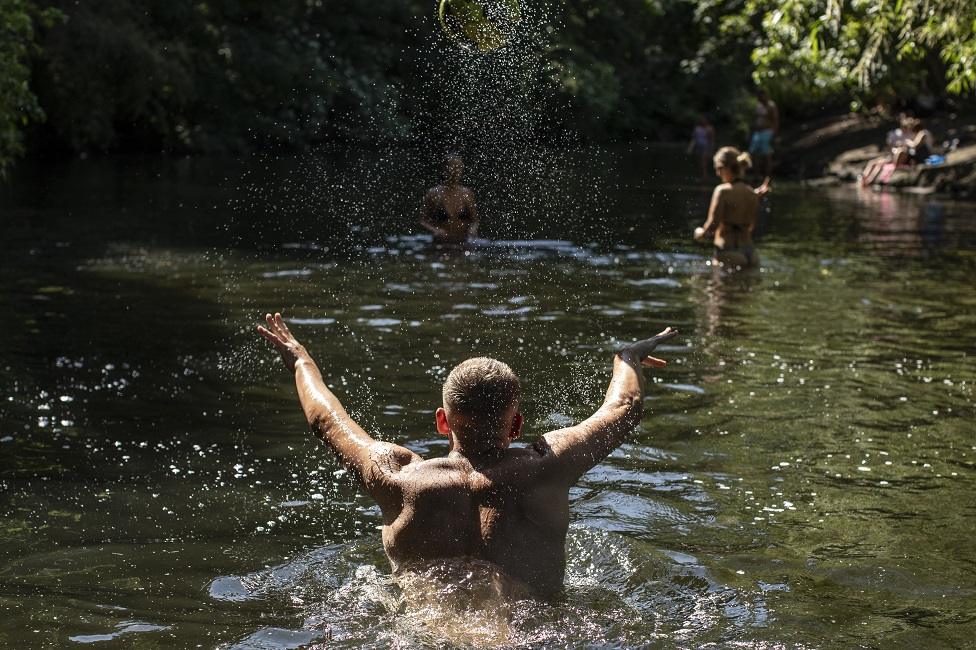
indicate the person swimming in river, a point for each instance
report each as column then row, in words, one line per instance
column 486, row 501
column 449, row 211
column 733, row 210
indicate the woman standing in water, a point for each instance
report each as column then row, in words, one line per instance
column 449, row 211
column 732, row 214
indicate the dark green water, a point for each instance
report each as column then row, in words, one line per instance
column 804, row 476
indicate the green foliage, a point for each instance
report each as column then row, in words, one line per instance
column 482, row 24
column 18, row 104
column 232, row 75
column 642, row 67
column 236, row 75
column 819, row 48
column 220, row 75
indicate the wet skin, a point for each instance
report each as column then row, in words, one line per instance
column 732, row 218
column 486, row 500
column 450, row 199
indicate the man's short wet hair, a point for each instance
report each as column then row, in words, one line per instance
column 481, row 390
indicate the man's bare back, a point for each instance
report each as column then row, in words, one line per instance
column 503, row 512
column 486, row 500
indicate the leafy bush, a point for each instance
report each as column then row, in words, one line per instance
column 18, row 104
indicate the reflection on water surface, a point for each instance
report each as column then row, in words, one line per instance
column 804, row 475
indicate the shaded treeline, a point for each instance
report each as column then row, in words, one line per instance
column 235, row 75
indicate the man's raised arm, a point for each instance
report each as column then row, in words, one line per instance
column 370, row 459
column 576, row 449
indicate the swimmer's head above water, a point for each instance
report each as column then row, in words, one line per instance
column 481, row 406
column 453, row 170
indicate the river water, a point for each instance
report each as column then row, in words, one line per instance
column 804, row 475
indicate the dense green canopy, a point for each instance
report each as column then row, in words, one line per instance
column 18, row 104
column 868, row 48
column 232, row 75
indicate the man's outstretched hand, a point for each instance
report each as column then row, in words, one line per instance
column 283, row 340
column 641, row 350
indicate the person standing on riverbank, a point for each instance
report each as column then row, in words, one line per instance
column 733, row 212
column 449, row 210
column 702, row 144
column 765, row 131
column 485, row 501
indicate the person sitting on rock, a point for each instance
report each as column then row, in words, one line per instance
column 921, row 145
column 897, row 143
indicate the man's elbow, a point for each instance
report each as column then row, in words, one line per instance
column 628, row 412
column 635, row 413
column 320, row 424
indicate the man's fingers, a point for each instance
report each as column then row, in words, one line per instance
column 282, row 323
column 667, row 333
column 641, row 348
column 270, row 336
column 277, row 326
column 282, row 328
column 654, row 362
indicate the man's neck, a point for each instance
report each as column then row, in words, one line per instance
column 478, row 456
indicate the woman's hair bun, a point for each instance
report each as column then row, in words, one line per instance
column 738, row 162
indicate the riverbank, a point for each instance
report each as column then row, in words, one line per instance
column 836, row 149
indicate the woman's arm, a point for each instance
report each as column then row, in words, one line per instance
column 426, row 213
column 714, row 215
column 765, row 188
column 473, row 211
column 923, row 137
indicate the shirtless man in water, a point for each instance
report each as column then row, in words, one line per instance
column 485, row 500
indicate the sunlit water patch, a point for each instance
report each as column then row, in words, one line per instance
column 618, row 592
